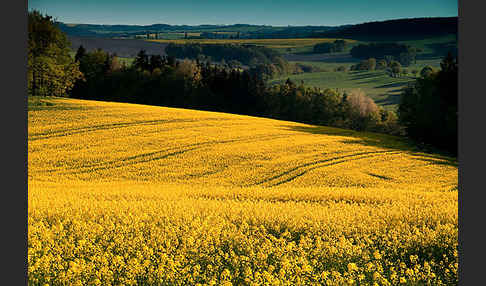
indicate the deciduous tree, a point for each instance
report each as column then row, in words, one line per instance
column 50, row 68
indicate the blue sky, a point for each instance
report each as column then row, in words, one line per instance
column 261, row 12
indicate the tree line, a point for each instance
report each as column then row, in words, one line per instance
column 402, row 53
column 428, row 108
column 245, row 54
column 392, row 67
column 334, row 47
column 261, row 61
column 402, row 29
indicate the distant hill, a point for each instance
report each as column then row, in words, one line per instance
column 246, row 30
column 400, row 29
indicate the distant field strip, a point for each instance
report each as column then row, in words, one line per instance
column 270, row 43
column 125, row 194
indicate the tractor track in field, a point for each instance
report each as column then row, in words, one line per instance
column 128, row 162
column 154, row 156
column 317, row 164
column 73, row 131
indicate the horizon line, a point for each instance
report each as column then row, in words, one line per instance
column 267, row 25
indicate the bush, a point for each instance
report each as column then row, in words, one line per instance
column 369, row 64
column 395, row 69
column 381, row 65
column 427, row 71
column 341, row 69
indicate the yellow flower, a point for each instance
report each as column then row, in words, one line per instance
column 352, row 267
column 377, row 254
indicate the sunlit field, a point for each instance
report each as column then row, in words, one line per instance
column 124, row 194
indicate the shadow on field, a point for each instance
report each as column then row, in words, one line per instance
column 441, row 49
column 392, row 143
column 396, row 84
column 323, row 58
column 359, row 76
column 395, row 91
column 35, row 103
column 389, row 99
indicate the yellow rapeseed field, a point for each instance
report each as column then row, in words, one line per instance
column 123, row 194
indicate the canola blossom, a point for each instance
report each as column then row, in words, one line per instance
column 123, row 194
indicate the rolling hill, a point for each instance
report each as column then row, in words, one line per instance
column 246, row 30
column 132, row 194
column 398, row 29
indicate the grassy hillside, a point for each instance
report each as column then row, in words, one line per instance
column 378, row 85
column 125, row 194
column 434, row 47
column 382, row 88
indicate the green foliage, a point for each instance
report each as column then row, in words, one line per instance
column 93, row 64
column 263, row 62
column 50, row 68
column 341, row 69
column 395, row 69
column 242, row 53
column 80, row 53
column 381, row 64
column 428, row 109
column 378, row 84
column 334, row 47
column 371, row 64
column 407, row 58
column 427, row 71
column 367, row 65
column 142, row 61
column 405, row 54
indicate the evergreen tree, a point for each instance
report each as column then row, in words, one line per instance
column 142, row 61
column 156, row 62
column 81, row 52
